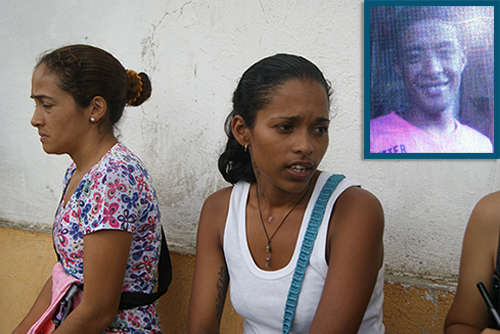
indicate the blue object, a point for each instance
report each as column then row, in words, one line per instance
column 306, row 249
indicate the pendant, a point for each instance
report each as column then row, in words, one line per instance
column 268, row 255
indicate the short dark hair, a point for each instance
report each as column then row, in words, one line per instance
column 409, row 15
column 86, row 71
column 253, row 93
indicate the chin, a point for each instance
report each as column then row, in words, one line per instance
column 434, row 110
column 435, row 106
column 50, row 150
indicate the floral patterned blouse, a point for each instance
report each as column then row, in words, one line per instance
column 115, row 194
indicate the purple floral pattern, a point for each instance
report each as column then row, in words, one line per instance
column 116, row 194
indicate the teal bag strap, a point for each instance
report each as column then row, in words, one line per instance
column 306, row 249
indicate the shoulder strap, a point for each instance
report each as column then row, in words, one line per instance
column 135, row 299
column 306, row 249
column 130, row 300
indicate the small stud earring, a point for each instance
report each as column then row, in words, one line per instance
column 246, row 146
column 92, row 119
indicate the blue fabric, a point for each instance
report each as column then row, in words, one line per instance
column 306, row 249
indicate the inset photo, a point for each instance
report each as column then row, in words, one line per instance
column 430, row 80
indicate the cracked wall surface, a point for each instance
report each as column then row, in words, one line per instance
column 194, row 52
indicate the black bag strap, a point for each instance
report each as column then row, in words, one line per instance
column 130, row 300
column 135, row 299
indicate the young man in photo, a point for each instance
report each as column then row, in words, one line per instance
column 430, row 60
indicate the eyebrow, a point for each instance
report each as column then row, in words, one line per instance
column 41, row 96
column 298, row 118
column 446, row 44
column 419, row 48
column 322, row 119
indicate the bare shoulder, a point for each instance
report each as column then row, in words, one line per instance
column 357, row 225
column 486, row 214
column 356, row 202
column 217, row 203
column 213, row 214
column 489, row 205
column 360, row 196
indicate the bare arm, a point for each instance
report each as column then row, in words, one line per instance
column 468, row 313
column 106, row 253
column 38, row 308
column 355, row 254
column 210, row 280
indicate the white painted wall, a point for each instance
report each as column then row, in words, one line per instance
column 194, row 52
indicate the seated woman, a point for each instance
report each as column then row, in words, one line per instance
column 107, row 231
column 468, row 313
column 253, row 232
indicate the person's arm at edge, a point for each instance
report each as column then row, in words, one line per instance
column 41, row 304
column 468, row 313
column 210, row 280
column 355, row 242
column 106, row 254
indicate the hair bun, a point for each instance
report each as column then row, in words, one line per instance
column 138, row 88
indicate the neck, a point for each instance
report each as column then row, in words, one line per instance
column 91, row 151
column 273, row 199
column 440, row 123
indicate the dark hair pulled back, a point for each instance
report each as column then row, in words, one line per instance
column 254, row 92
column 86, row 71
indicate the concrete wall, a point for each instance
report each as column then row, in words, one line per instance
column 195, row 52
column 410, row 306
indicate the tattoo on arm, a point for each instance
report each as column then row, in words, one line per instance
column 221, row 291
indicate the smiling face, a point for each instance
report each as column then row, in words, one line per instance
column 290, row 135
column 61, row 125
column 431, row 65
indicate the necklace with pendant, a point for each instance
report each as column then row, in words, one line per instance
column 268, row 247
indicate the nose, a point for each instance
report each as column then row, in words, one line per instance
column 432, row 64
column 303, row 142
column 37, row 119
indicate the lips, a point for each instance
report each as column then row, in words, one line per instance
column 433, row 87
column 43, row 136
column 300, row 169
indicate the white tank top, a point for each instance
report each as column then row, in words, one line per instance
column 259, row 296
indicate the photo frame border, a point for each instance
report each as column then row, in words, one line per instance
column 367, row 80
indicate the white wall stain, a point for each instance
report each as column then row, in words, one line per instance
column 194, row 53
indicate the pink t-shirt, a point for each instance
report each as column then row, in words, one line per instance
column 392, row 134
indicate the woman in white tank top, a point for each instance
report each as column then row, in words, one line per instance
column 252, row 232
